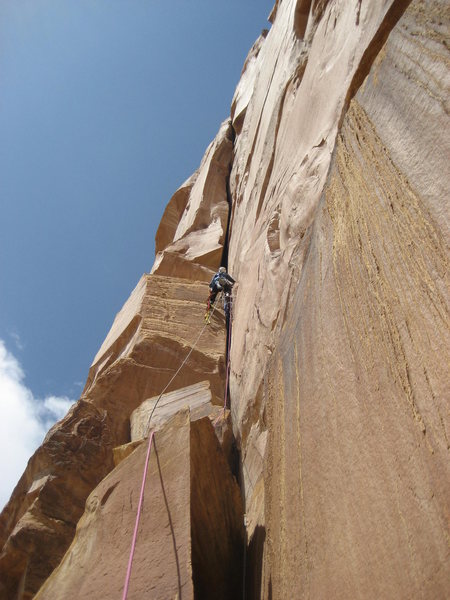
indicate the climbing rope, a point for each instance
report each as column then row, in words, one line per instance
column 138, row 516
column 227, row 375
column 244, row 562
column 227, row 372
column 179, row 369
column 144, row 475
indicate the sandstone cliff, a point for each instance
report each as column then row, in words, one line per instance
column 326, row 193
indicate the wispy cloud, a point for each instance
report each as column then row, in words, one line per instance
column 24, row 421
column 17, row 340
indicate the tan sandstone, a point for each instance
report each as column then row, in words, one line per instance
column 334, row 163
column 161, row 408
column 180, row 498
column 151, row 336
column 339, row 245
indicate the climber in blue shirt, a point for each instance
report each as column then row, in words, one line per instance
column 221, row 282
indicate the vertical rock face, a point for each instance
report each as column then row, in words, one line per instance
column 192, row 504
column 104, row 533
column 354, row 399
column 334, row 164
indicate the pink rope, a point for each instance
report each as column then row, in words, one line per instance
column 138, row 516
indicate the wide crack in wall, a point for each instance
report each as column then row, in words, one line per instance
column 216, row 519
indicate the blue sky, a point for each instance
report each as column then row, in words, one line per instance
column 106, row 107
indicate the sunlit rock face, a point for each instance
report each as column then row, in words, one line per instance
column 190, row 239
column 39, row 521
column 334, row 163
column 156, row 330
column 193, row 504
column 158, row 324
column 340, row 348
column 100, row 545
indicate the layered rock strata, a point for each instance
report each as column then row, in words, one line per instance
column 158, row 327
column 150, row 337
column 335, row 168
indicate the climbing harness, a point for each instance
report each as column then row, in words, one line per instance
column 150, row 441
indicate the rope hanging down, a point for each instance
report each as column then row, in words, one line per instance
column 230, row 317
column 138, row 516
column 178, row 370
column 144, row 475
column 227, row 372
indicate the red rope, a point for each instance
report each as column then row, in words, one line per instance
column 138, row 516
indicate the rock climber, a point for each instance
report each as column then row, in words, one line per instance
column 221, row 282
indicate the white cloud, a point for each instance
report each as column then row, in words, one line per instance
column 24, row 421
column 52, row 409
